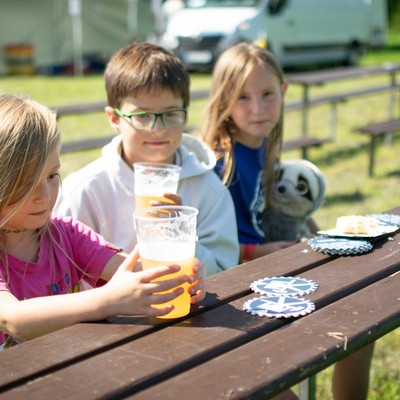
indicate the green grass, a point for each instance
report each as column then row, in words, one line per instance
column 344, row 163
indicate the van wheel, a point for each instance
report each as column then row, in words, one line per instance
column 354, row 52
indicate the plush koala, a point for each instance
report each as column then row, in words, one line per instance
column 298, row 191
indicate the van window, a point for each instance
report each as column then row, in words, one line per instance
column 221, row 3
column 276, row 6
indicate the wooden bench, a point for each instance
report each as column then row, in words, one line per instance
column 79, row 108
column 375, row 131
column 94, row 143
column 302, row 143
column 86, row 144
column 97, row 106
column 321, row 77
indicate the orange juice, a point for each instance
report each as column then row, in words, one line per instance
column 152, row 180
column 169, row 253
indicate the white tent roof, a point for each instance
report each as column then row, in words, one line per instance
column 48, row 27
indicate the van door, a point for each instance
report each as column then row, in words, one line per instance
column 282, row 29
column 311, row 31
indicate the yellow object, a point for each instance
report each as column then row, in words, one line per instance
column 19, row 59
column 261, row 43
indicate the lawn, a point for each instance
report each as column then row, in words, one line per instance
column 344, row 163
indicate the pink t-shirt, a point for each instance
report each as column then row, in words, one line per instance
column 54, row 273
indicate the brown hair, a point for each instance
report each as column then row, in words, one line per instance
column 145, row 67
column 230, row 72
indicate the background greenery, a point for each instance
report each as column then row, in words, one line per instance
column 344, row 162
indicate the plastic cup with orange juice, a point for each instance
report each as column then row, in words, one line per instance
column 152, row 180
column 166, row 235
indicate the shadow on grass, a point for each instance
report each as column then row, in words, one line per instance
column 344, row 198
column 393, row 174
column 337, row 155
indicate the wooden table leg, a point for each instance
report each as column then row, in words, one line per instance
column 372, row 146
column 307, row 388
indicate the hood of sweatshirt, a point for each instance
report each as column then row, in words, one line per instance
column 194, row 156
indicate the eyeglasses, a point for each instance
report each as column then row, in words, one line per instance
column 146, row 120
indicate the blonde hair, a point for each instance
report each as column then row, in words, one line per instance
column 230, row 73
column 28, row 134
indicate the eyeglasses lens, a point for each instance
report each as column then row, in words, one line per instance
column 169, row 119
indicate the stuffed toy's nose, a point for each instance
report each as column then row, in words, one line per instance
column 282, row 189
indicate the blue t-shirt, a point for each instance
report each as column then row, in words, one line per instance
column 248, row 191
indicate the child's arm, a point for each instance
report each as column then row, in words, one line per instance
column 127, row 293
column 312, row 226
column 260, row 250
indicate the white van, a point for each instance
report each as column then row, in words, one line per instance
column 296, row 31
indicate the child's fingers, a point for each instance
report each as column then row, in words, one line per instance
column 161, row 298
column 175, row 200
column 199, row 296
column 151, row 278
column 130, row 261
column 198, row 271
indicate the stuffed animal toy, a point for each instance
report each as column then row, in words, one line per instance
column 298, row 191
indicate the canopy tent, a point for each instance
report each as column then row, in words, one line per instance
column 57, row 35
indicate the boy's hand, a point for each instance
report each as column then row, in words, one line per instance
column 197, row 289
column 175, row 200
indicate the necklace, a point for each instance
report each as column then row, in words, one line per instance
column 13, row 231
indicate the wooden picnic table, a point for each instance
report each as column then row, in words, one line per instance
column 219, row 351
column 321, row 77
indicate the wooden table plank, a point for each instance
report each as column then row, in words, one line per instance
column 61, row 345
column 137, row 363
column 264, row 365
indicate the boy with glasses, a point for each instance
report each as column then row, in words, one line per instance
column 148, row 97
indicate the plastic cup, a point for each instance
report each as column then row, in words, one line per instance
column 166, row 235
column 152, row 180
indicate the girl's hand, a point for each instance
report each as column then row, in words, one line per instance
column 197, row 289
column 133, row 293
column 175, row 200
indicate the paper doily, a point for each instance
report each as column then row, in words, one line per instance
column 339, row 246
column 284, row 286
column 391, row 219
column 278, row 306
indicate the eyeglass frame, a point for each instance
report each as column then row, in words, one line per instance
column 155, row 115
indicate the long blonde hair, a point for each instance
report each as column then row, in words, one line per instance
column 230, row 73
column 28, row 134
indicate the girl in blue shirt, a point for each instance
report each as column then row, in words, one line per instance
column 244, row 126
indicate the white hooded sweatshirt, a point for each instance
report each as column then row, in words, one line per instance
column 101, row 195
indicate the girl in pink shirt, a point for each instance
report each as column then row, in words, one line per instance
column 43, row 258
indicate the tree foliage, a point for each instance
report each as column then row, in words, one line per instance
column 394, row 15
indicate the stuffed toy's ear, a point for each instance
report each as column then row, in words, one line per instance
column 321, row 181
